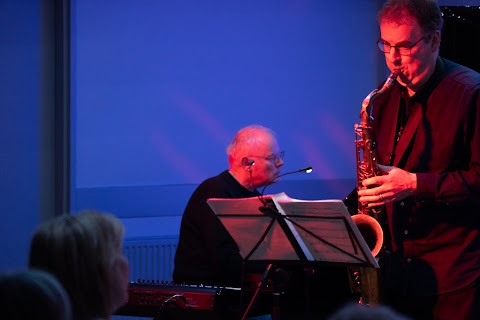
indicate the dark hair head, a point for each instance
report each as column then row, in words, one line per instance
column 427, row 13
column 355, row 311
column 33, row 294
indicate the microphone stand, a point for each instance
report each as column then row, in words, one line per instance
column 271, row 181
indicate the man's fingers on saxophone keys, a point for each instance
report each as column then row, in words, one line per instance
column 372, row 196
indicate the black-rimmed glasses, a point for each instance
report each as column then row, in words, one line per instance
column 277, row 158
column 403, row 50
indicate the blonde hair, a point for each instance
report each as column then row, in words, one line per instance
column 80, row 250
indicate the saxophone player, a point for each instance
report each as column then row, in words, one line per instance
column 427, row 132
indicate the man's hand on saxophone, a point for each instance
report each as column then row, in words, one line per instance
column 395, row 184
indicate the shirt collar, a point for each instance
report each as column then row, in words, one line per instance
column 437, row 75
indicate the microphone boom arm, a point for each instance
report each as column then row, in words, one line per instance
column 271, row 181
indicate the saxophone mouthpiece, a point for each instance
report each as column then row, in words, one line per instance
column 391, row 78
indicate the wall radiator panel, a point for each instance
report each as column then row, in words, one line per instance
column 150, row 259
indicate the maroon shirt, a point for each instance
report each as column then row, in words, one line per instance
column 436, row 234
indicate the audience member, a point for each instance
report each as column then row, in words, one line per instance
column 355, row 311
column 33, row 294
column 84, row 251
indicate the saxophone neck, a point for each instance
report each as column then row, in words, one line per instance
column 391, row 79
column 364, row 113
column 368, row 101
column 389, row 82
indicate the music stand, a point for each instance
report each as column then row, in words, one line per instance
column 292, row 231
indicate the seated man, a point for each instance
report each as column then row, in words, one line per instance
column 206, row 253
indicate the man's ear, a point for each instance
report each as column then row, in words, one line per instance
column 247, row 163
column 436, row 39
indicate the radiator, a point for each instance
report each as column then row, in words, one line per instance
column 150, row 259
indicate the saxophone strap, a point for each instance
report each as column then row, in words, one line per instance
column 442, row 70
column 407, row 133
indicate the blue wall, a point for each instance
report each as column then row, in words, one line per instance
column 136, row 107
column 26, row 130
column 159, row 89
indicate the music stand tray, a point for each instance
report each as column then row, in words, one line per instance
column 284, row 230
column 293, row 231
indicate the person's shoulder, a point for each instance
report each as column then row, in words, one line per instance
column 219, row 179
column 461, row 73
column 214, row 186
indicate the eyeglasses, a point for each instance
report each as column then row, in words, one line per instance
column 403, row 50
column 277, row 158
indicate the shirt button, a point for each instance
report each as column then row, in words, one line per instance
column 409, row 260
column 405, row 232
column 402, row 203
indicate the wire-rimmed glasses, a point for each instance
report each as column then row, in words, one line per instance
column 403, row 50
column 277, row 158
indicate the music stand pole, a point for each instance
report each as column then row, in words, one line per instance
column 259, row 286
column 270, row 211
column 299, row 227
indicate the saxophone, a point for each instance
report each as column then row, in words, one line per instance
column 365, row 279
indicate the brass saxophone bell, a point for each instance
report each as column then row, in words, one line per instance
column 371, row 231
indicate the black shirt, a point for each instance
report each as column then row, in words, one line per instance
column 206, row 253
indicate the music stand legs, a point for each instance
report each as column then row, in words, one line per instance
column 260, row 284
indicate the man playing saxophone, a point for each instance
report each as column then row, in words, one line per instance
column 427, row 134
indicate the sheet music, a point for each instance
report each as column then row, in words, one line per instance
column 323, row 229
column 246, row 224
column 327, row 229
column 282, row 197
column 235, row 206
